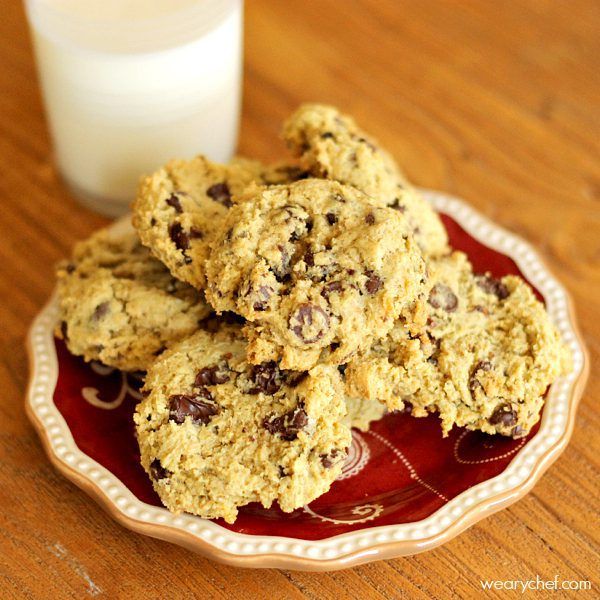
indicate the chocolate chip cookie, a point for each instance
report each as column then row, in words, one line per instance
column 121, row 306
column 179, row 208
column 317, row 270
column 217, row 433
column 331, row 145
column 484, row 360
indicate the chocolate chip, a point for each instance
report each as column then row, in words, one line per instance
column 321, row 272
column 309, row 258
column 331, row 218
column 173, row 201
column 199, row 407
column 374, row 282
column 157, row 471
column 397, row 206
column 219, row 192
column 264, row 293
column 517, row 432
column 70, row 268
column 326, row 135
column 309, row 322
column 289, row 424
column 504, row 416
column 474, row 383
column 203, row 392
column 367, row 143
column 179, row 236
column 483, row 365
column 294, row 379
column 408, row 407
column 370, row 219
column 283, row 269
column 333, row 457
column 195, row 234
column 100, row 311
column 153, row 222
column 492, row 286
column 304, row 147
column 211, row 376
column 299, row 232
column 267, row 378
column 330, row 288
column 297, row 222
column 290, row 172
column 441, row 296
column 281, row 471
column 342, row 370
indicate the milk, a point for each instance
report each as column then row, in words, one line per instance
column 130, row 84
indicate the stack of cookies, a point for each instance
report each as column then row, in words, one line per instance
column 273, row 308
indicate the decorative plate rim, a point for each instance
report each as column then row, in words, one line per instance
column 351, row 548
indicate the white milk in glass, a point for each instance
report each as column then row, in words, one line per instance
column 130, row 84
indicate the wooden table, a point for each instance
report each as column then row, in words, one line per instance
column 497, row 102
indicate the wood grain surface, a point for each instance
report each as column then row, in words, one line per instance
column 496, row 102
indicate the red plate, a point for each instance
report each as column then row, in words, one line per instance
column 400, row 473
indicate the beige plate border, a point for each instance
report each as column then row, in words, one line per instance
column 349, row 549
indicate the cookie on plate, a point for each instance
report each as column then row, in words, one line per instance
column 217, row 433
column 121, row 306
column 362, row 412
column 331, row 145
column 179, row 208
column 484, row 361
column 316, row 268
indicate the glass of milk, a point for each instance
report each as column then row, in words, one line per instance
column 130, row 84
